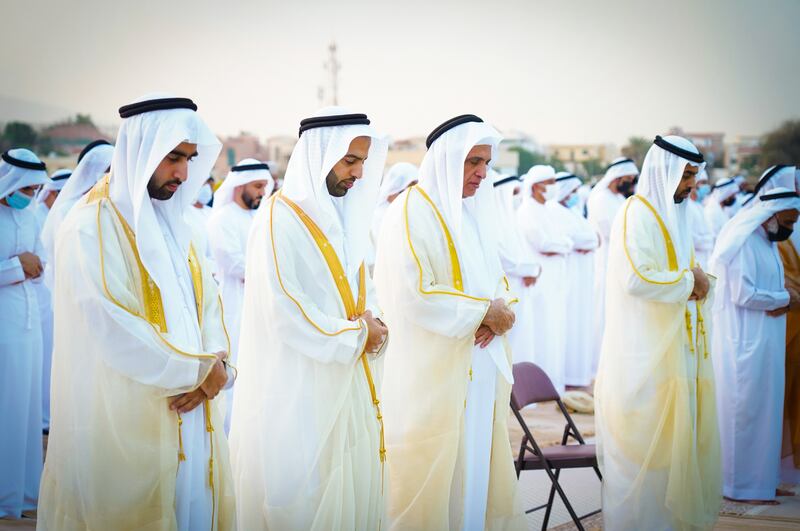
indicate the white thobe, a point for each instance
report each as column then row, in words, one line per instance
column 701, row 234
column 46, row 315
column 227, row 236
column 543, row 339
column 20, row 366
column 716, row 216
column 479, row 413
column 198, row 220
column 193, row 497
column 601, row 211
column 749, row 362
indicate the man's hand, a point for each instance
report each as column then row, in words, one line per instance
column 187, row 401
column 794, row 301
column 484, row 336
column 31, row 265
column 499, row 318
column 215, row 380
column 376, row 331
column 701, row 285
column 528, row 281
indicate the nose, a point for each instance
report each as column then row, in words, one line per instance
column 357, row 171
column 182, row 171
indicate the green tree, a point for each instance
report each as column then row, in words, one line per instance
column 83, row 119
column 19, row 135
column 529, row 159
column 636, row 149
column 781, row 146
column 593, row 167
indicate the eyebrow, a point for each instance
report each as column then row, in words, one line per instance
column 182, row 154
column 353, row 155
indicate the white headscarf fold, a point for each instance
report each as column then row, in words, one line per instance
column 12, row 178
column 55, row 182
column 616, row 169
column 142, row 143
column 565, row 187
column 346, row 221
column 224, row 193
column 661, row 174
column 723, row 190
column 537, row 174
column 741, row 226
column 442, row 177
column 783, row 178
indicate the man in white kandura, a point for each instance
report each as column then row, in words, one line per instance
column 543, row 339
column 518, row 261
column 235, row 204
column 44, row 202
column 448, row 373
column 702, row 236
column 306, row 438
column 605, row 199
column 399, row 177
column 719, row 203
column 579, row 353
column 656, row 418
column 750, row 341
column 21, row 173
column 94, row 161
column 136, row 439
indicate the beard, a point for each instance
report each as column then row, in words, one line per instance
column 251, row 201
column 161, row 192
column 335, row 186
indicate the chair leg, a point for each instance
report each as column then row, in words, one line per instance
column 550, row 501
column 570, row 510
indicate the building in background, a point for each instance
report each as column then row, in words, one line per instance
column 712, row 145
column 742, row 155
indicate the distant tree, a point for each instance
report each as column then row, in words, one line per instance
column 593, row 167
column 636, row 149
column 781, row 146
column 529, row 159
column 19, row 135
column 83, row 119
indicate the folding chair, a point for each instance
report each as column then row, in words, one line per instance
column 532, row 386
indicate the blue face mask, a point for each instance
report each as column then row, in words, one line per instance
column 702, row 192
column 19, row 200
column 571, row 201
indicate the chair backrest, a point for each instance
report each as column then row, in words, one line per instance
column 531, row 385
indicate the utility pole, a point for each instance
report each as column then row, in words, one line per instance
column 333, row 66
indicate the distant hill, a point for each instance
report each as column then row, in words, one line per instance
column 33, row 112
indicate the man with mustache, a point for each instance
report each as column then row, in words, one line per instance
column 658, row 440
column 136, row 437
column 306, row 436
column 448, row 370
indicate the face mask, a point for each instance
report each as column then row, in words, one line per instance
column 19, row 200
column 702, row 192
column 205, row 194
column 571, row 201
column 549, row 192
column 777, row 232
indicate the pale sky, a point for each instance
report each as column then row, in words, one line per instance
column 564, row 71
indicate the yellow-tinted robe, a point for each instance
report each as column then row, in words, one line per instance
column 115, row 447
column 791, row 268
column 427, row 371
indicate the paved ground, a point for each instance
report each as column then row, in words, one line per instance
column 583, row 489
